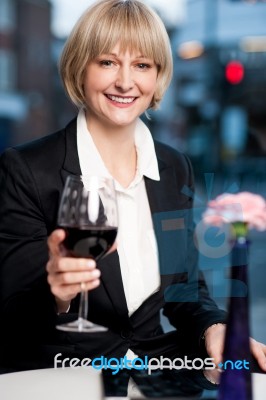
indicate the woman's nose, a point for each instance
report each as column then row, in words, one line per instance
column 124, row 79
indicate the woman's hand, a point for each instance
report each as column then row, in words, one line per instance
column 67, row 276
column 214, row 342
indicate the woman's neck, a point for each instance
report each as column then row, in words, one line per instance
column 116, row 146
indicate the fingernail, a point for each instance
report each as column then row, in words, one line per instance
column 96, row 273
column 60, row 234
column 91, row 263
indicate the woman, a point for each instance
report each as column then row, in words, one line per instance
column 115, row 65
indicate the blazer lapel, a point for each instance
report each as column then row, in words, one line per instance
column 71, row 164
column 162, row 195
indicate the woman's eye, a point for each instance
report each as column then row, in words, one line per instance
column 106, row 63
column 143, row 66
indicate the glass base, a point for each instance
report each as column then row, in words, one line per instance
column 81, row 325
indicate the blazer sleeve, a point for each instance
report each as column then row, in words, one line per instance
column 189, row 307
column 25, row 297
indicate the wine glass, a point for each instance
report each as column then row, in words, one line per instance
column 88, row 214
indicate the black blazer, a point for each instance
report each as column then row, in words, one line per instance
column 31, row 181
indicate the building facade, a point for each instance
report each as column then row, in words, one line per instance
column 26, row 82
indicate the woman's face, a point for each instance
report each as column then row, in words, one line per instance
column 119, row 87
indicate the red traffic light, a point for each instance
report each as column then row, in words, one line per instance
column 234, row 72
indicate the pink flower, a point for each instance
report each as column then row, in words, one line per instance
column 241, row 207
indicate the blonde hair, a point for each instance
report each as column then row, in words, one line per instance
column 131, row 23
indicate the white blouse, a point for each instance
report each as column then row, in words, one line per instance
column 137, row 247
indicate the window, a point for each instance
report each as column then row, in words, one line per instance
column 7, row 70
column 7, row 15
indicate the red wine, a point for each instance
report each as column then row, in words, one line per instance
column 87, row 242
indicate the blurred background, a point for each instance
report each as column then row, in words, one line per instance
column 214, row 110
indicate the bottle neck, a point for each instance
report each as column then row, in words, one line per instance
column 240, row 231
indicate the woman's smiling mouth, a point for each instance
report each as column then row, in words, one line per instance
column 120, row 100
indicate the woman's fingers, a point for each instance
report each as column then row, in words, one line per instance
column 67, row 276
column 67, row 264
column 69, row 292
column 66, row 285
column 70, row 278
column 54, row 241
column 259, row 352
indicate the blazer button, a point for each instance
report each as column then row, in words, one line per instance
column 125, row 334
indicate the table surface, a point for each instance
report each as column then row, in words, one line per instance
column 54, row 384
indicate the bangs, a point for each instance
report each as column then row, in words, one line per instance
column 134, row 31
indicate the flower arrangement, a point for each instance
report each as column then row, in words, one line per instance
column 244, row 210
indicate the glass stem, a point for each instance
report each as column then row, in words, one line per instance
column 83, row 306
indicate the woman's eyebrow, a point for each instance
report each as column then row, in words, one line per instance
column 108, row 54
column 117, row 55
